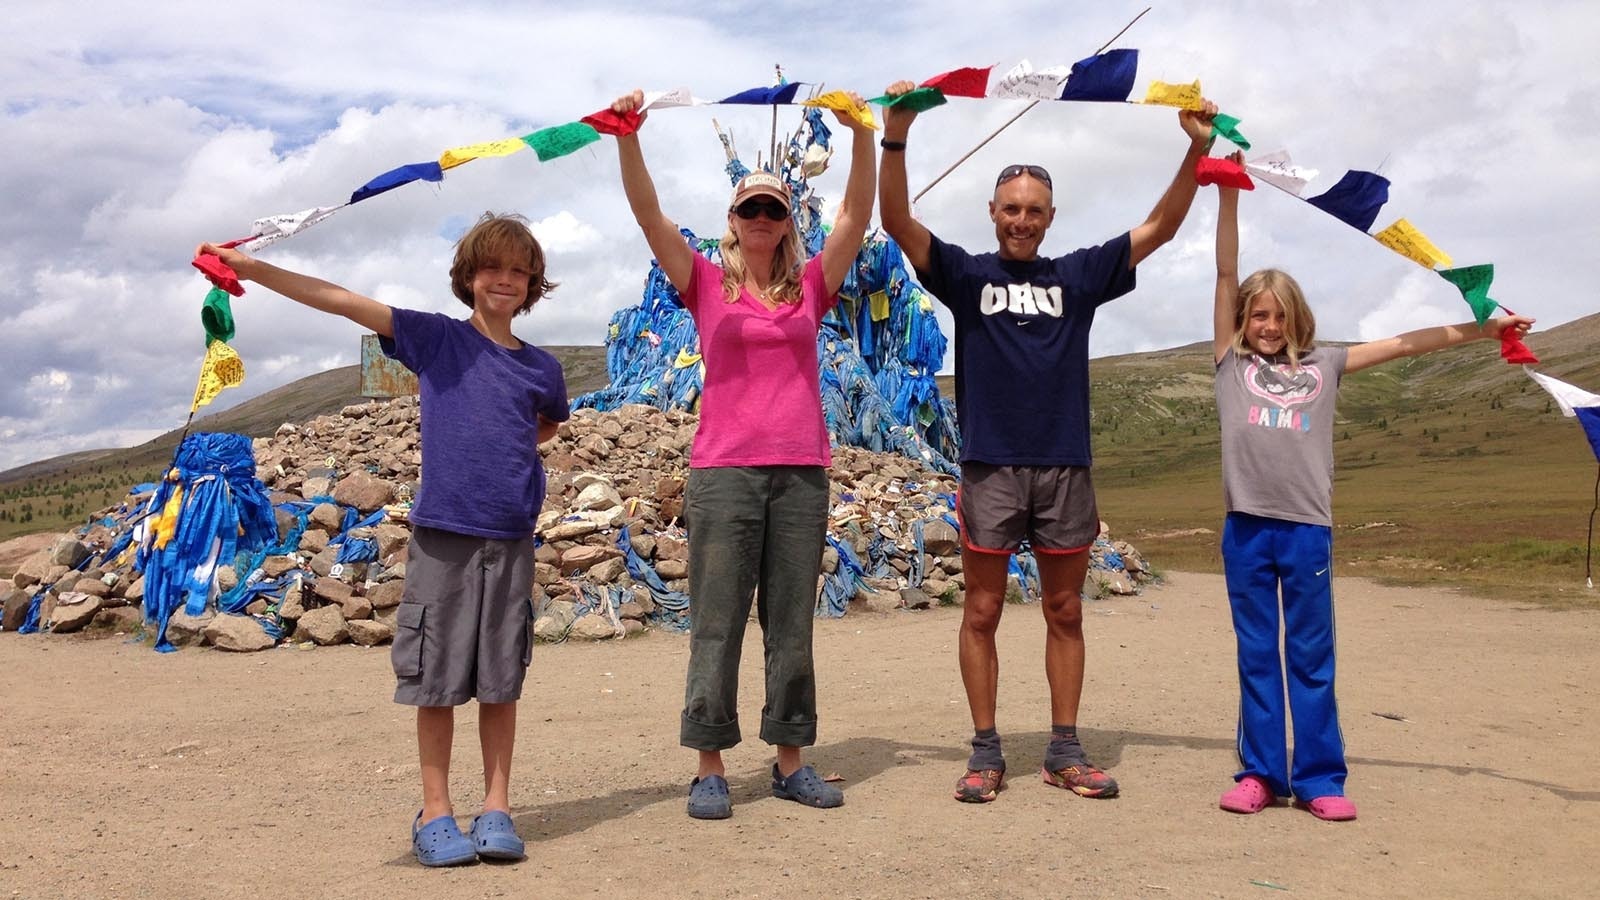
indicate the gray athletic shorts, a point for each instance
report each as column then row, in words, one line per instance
column 463, row 622
column 1052, row 506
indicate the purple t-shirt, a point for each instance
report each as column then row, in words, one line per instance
column 1022, row 347
column 481, row 470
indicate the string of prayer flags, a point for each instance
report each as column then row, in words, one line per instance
column 1183, row 96
column 917, row 100
column 216, row 315
column 1106, row 78
column 1226, row 126
column 1223, row 171
column 1473, row 282
column 766, row 96
column 1403, row 238
column 1575, row 403
column 458, row 155
column 221, row 369
column 1355, row 200
column 1022, row 82
column 218, row 273
column 1278, row 170
column 964, row 82
column 269, row 230
column 608, row 121
column 840, row 101
column 559, row 140
column 388, row 181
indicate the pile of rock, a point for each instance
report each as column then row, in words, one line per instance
column 608, row 472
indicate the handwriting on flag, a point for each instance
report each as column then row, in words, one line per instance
column 272, row 229
column 1183, row 96
column 559, row 140
column 455, row 156
column 1473, row 282
column 221, row 369
column 667, row 99
column 1278, row 170
column 1023, row 82
column 1403, row 238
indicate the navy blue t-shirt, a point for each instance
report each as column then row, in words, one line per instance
column 1022, row 347
column 481, row 470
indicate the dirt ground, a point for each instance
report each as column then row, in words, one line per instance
column 127, row 773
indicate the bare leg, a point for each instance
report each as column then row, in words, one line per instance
column 435, row 730
column 1061, row 582
column 980, row 617
column 497, row 734
column 711, row 764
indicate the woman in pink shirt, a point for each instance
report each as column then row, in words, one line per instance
column 756, row 504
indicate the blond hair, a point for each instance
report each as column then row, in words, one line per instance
column 784, row 286
column 1299, row 325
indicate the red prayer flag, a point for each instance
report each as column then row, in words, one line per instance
column 608, row 122
column 1223, row 171
column 966, row 82
column 1514, row 351
column 219, row 273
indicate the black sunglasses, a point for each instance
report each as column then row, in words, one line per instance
column 1010, row 172
column 774, row 210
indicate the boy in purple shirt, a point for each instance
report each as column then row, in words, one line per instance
column 488, row 401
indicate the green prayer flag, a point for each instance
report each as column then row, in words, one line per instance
column 919, row 99
column 1224, row 125
column 217, row 316
column 560, row 140
column 1473, row 282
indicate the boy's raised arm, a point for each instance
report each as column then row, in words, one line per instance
column 307, row 291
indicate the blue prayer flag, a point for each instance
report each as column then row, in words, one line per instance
column 388, row 181
column 783, row 93
column 1355, row 200
column 1106, row 78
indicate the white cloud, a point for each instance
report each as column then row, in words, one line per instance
column 133, row 135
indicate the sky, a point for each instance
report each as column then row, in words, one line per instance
column 132, row 132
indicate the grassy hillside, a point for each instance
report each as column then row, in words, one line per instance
column 58, row 493
column 1453, row 468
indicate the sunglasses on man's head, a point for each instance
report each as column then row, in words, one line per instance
column 1010, row 172
column 773, row 210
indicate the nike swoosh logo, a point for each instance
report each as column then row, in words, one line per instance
column 1321, row 571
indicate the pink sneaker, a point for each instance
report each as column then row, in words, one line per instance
column 1332, row 808
column 1250, row 795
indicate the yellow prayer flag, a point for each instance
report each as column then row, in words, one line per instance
column 685, row 359
column 880, row 305
column 1403, row 238
column 221, row 368
column 841, row 102
column 458, row 155
column 1183, row 96
column 166, row 524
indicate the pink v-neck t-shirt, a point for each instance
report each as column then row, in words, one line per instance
column 762, row 401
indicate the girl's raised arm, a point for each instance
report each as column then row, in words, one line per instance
column 1223, row 313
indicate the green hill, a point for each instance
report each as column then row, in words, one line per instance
column 1453, row 468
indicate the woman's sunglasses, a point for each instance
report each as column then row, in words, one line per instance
column 1010, row 172
column 773, row 210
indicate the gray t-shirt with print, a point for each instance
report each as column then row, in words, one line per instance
column 1277, row 433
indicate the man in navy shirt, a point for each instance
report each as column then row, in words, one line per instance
column 1022, row 397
